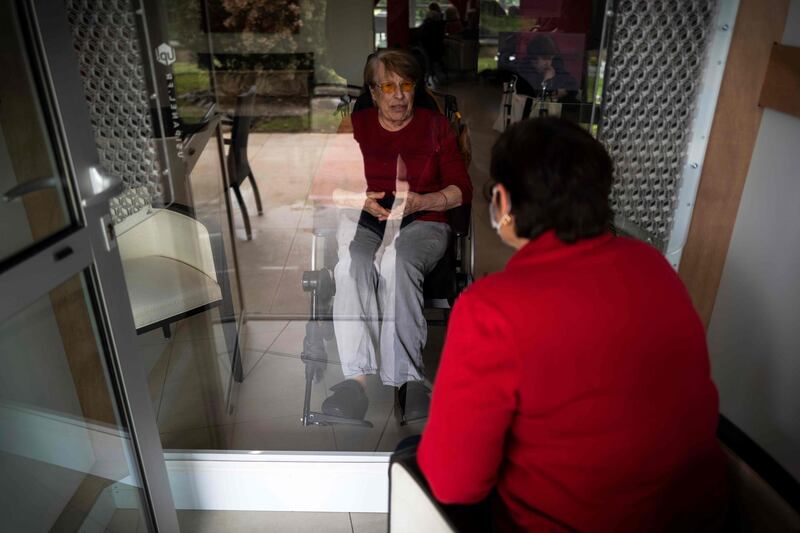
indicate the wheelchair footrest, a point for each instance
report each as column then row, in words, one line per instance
column 321, row 419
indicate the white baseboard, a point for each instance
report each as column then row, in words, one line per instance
column 274, row 481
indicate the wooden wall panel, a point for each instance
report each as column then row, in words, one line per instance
column 781, row 89
column 759, row 24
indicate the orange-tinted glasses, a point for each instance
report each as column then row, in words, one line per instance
column 390, row 88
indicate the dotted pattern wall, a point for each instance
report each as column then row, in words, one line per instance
column 657, row 52
column 104, row 36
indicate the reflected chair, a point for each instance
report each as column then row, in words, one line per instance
column 170, row 272
column 238, row 165
column 764, row 496
column 461, row 55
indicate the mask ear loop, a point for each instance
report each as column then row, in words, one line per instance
column 505, row 219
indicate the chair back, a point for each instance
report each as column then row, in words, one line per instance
column 764, row 496
column 412, row 506
column 238, row 166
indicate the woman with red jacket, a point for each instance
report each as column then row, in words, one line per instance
column 574, row 388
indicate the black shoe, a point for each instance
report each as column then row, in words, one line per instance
column 413, row 399
column 348, row 400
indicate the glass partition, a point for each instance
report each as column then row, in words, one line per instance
column 156, row 123
column 324, row 353
column 547, row 55
column 67, row 457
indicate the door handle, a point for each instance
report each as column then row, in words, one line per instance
column 29, row 187
column 103, row 186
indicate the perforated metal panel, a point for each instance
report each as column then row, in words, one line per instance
column 656, row 60
column 104, row 35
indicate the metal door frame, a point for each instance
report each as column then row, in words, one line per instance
column 88, row 247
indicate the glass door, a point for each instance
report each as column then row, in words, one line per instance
column 79, row 448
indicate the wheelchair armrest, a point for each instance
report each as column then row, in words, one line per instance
column 459, row 219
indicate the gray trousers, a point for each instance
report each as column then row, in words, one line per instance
column 379, row 302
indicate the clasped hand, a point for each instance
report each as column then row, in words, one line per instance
column 405, row 203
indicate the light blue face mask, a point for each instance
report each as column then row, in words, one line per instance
column 496, row 225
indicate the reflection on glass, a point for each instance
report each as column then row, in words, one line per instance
column 546, row 56
column 191, row 71
column 65, row 453
column 193, row 366
column 32, row 200
column 337, row 313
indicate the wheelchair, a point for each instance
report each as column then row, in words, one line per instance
column 451, row 275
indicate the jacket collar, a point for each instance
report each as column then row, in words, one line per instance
column 547, row 246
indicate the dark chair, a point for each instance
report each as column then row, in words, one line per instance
column 763, row 496
column 238, row 165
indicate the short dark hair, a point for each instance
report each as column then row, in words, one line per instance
column 542, row 45
column 558, row 177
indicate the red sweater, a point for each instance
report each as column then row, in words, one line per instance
column 576, row 382
column 428, row 148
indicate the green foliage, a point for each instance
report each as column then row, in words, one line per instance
column 260, row 16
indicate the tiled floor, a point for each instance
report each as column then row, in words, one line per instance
column 129, row 521
column 198, row 405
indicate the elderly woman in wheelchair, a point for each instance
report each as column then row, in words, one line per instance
column 391, row 233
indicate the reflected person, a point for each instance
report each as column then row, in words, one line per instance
column 390, row 236
column 543, row 74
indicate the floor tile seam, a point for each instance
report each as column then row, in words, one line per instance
column 288, row 253
column 260, row 357
column 335, row 441
column 255, row 315
column 283, row 270
column 164, row 382
column 295, row 415
column 383, row 431
column 278, row 336
column 195, row 339
column 296, row 356
column 197, row 428
column 309, row 186
column 261, row 148
column 314, row 171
